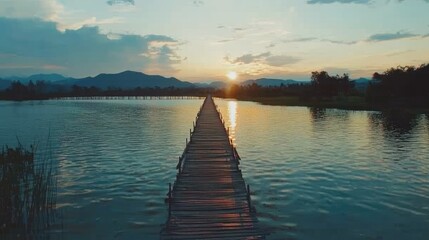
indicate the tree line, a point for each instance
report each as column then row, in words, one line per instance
column 396, row 87
column 408, row 86
column 322, row 86
column 401, row 85
column 43, row 90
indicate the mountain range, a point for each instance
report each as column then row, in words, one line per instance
column 4, row 84
column 263, row 82
column 126, row 80
column 361, row 83
column 269, row 82
column 131, row 80
column 37, row 77
column 123, row 80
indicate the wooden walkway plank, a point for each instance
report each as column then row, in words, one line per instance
column 209, row 199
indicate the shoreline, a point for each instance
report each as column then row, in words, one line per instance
column 350, row 103
column 354, row 103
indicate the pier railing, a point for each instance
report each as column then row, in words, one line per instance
column 182, row 158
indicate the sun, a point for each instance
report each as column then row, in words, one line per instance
column 232, row 75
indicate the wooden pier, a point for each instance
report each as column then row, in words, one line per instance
column 129, row 98
column 209, row 199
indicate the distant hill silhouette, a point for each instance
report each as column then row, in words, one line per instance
column 266, row 82
column 4, row 84
column 38, row 77
column 214, row 84
column 361, row 84
column 201, row 84
column 47, row 77
column 127, row 80
column 131, row 79
column 218, row 84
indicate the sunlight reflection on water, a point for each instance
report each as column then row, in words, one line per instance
column 335, row 174
column 232, row 113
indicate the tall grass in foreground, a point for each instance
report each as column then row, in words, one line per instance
column 28, row 191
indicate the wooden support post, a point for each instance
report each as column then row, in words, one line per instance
column 190, row 134
column 180, row 164
column 186, row 143
column 248, row 198
column 169, row 201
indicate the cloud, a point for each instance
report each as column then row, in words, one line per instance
column 238, row 29
column 52, row 10
column 121, row 2
column 93, row 21
column 198, row 3
column 226, row 40
column 53, row 67
column 309, row 39
column 39, row 46
column 256, row 32
column 44, row 9
column 304, row 39
column 397, row 53
column 237, row 33
column 265, row 58
column 407, row 1
column 281, row 60
column 249, row 58
column 338, row 1
column 163, row 58
column 348, row 1
column 373, row 38
column 340, row 42
column 390, row 36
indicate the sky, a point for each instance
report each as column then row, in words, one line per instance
column 204, row 40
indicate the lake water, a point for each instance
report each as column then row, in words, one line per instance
column 314, row 173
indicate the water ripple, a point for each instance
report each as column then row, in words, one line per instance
column 314, row 173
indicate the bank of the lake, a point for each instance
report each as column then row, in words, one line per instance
column 356, row 103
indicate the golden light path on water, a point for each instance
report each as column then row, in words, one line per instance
column 232, row 113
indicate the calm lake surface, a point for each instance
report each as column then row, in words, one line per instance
column 314, row 174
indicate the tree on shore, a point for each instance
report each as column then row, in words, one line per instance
column 401, row 85
column 325, row 85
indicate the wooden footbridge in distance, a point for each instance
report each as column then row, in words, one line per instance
column 209, row 199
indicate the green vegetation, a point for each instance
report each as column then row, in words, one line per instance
column 396, row 88
column 349, row 103
column 27, row 193
column 402, row 88
column 43, row 90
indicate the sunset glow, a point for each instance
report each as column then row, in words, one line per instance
column 231, row 75
column 258, row 39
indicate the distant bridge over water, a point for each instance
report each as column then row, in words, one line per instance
column 209, row 199
column 129, row 98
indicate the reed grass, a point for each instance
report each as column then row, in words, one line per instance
column 28, row 191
